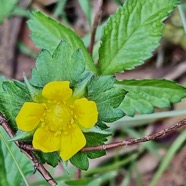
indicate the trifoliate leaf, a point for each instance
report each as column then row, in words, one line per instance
column 12, row 98
column 64, row 64
column 6, row 8
column 95, row 139
column 144, row 95
column 47, row 34
column 132, row 34
column 107, row 97
column 80, row 160
column 51, row 158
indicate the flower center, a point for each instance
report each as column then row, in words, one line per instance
column 58, row 117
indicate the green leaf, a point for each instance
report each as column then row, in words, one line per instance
column 22, row 136
column 3, row 179
column 12, row 98
column 82, row 182
column 80, row 160
column 107, row 97
column 144, row 95
column 6, row 8
column 64, row 64
column 52, row 158
column 47, row 34
column 132, row 34
column 17, row 165
column 95, row 139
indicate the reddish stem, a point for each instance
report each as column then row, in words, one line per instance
column 95, row 25
column 138, row 140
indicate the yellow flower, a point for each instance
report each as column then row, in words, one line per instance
column 59, row 121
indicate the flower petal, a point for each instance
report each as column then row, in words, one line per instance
column 86, row 112
column 29, row 116
column 72, row 142
column 57, row 90
column 46, row 140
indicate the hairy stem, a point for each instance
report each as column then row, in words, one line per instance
column 138, row 140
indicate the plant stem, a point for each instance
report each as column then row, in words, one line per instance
column 153, row 136
column 95, row 25
column 78, row 173
column 138, row 140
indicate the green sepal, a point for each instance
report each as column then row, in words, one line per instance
column 51, row 158
column 13, row 96
column 47, row 34
column 102, row 125
column 22, row 136
column 107, row 97
column 35, row 92
column 64, row 64
column 144, row 95
column 80, row 89
column 80, row 160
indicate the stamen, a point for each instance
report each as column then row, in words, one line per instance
column 57, row 133
column 65, row 132
column 43, row 124
column 52, row 101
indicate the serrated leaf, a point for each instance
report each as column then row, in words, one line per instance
column 12, row 98
column 80, row 160
column 6, row 8
column 17, row 165
column 144, row 95
column 52, row 158
column 47, row 34
column 132, row 34
column 94, row 139
column 64, row 64
column 107, row 97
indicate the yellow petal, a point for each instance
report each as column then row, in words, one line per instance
column 29, row 116
column 72, row 142
column 46, row 140
column 57, row 90
column 86, row 112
